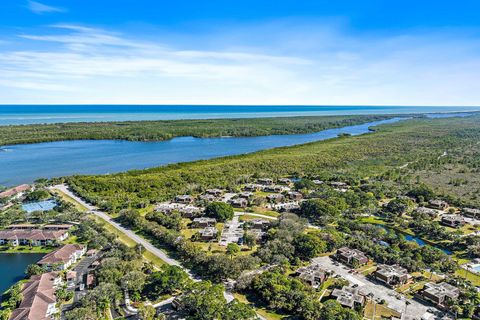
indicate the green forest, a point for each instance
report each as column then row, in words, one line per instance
column 439, row 152
column 164, row 130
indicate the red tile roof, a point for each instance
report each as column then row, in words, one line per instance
column 13, row 191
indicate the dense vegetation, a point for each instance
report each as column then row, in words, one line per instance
column 163, row 130
column 400, row 155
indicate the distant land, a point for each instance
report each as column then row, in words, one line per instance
column 37, row 114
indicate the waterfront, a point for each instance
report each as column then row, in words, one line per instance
column 29, row 162
column 13, row 265
column 35, row 114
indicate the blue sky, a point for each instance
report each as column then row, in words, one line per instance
column 240, row 52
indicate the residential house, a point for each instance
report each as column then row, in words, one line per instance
column 13, row 192
column 71, row 278
column 204, row 222
column 391, row 275
column 190, row 211
column 215, row 192
column 452, row 220
column 471, row 213
column 294, row 195
column 349, row 297
column 352, row 257
column 318, row 182
column 90, row 280
column 245, row 195
column 38, row 298
column 275, row 198
column 208, row 197
column 258, row 224
column 251, row 187
column 208, row 233
column 440, row 294
column 185, row 199
column 286, row 207
column 432, row 213
column 238, row 202
column 57, row 227
column 438, row 204
column 313, row 275
column 63, row 257
column 285, row 181
column 273, row 188
column 265, row 181
column 33, row 237
column 337, row 184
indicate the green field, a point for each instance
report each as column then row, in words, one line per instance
column 164, row 130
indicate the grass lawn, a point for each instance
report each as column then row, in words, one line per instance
column 123, row 238
column 25, row 249
column 265, row 211
column 153, row 259
column 247, row 217
column 472, row 277
column 381, row 311
column 69, row 199
column 372, row 220
column 267, row 314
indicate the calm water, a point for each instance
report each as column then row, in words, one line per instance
column 12, row 267
column 26, row 163
column 21, row 114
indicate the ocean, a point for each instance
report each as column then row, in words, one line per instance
column 36, row 114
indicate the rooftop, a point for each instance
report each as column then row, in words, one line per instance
column 62, row 254
column 38, row 293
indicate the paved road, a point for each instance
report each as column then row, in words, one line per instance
column 146, row 244
column 414, row 311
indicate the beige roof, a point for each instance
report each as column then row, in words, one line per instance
column 37, row 294
column 33, row 234
column 14, row 191
column 61, row 255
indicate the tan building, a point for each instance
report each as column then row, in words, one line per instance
column 313, row 275
column 32, row 237
column 440, row 293
column 391, row 275
column 438, row 204
column 351, row 257
column 62, row 258
column 204, row 222
column 38, row 298
column 349, row 297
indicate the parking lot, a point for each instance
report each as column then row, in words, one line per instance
column 395, row 301
column 232, row 232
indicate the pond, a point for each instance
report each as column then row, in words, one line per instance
column 13, row 265
column 417, row 240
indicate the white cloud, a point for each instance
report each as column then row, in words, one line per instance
column 79, row 64
column 40, row 8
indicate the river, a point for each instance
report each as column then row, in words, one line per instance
column 13, row 265
column 28, row 162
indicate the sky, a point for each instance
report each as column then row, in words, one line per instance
column 262, row 52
